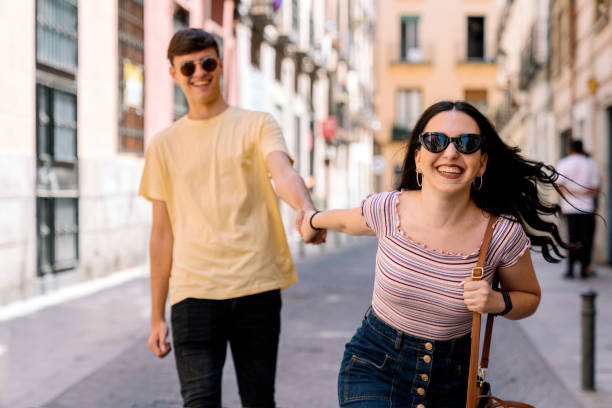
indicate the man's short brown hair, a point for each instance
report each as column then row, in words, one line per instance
column 190, row 40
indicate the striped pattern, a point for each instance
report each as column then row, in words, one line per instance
column 416, row 289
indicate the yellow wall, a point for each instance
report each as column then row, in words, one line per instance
column 443, row 74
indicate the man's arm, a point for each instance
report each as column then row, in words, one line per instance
column 291, row 188
column 162, row 240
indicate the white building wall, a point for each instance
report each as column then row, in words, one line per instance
column 113, row 221
column 17, row 151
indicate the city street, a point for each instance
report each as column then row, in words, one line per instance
column 91, row 351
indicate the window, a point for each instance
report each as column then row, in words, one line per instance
column 131, row 76
column 256, row 40
column 409, row 40
column 407, row 108
column 565, row 137
column 57, row 234
column 476, row 43
column 216, row 11
column 56, row 34
column 56, row 176
column 56, row 131
column 181, row 107
column 56, row 135
column 295, row 16
column 478, row 98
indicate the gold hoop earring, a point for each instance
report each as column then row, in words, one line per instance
column 419, row 181
column 479, row 185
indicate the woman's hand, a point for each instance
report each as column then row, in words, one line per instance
column 306, row 232
column 309, row 235
column 479, row 297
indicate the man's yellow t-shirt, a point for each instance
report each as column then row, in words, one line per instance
column 229, row 239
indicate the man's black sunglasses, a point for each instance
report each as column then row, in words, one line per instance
column 465, row 143
column 209, row 64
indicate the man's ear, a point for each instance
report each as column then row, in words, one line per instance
column 172, row 72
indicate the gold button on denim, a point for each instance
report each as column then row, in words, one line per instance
column 420, row 391
column 424, row 377
column 427, row 359
column 428, row 346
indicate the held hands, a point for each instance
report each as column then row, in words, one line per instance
column 157, row 339
column 479, row 297
column 302, row 226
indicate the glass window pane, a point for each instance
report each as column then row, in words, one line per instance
column 43, row 120
column 476, row 37
column 57, row 33
column 409, row 47
column 65, row 230
column 408, row 107
column 64, row 118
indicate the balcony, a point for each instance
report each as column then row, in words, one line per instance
column 411, row 56
column 400, row 133
column 507, row 109
column 533, row 55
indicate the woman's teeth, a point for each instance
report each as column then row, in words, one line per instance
column 448, row 169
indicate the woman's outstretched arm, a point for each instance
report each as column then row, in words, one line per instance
column 348, row 221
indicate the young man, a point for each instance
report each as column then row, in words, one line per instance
column 581, row 192
column 217, row 240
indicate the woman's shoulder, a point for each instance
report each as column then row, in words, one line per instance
column 508, row 227
column 381, row 196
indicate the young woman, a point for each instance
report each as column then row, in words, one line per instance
column 413, row 347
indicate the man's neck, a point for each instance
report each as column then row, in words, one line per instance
column 207, row 111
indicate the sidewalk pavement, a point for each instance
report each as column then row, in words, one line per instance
column 92, row 351
column 555, row 329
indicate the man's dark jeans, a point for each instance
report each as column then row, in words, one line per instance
column 201, row 329
column 581, row 230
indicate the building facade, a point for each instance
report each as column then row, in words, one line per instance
column 309, row 63
column 420, row 60
column 89, row 86
column 557, row 83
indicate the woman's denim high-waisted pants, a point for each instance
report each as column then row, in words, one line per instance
column 384, row 367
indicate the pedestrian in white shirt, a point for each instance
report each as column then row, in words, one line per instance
column 581, row 188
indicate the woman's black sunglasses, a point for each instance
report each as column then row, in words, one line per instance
column 465, row 143
column 209, row 64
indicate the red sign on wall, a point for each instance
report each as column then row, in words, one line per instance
column 329, row 127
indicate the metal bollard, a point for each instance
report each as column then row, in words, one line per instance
column 588, row 339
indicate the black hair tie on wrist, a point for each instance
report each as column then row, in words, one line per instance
column 312, row 226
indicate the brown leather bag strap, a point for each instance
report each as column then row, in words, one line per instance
column 486, row 343
column 477, row 274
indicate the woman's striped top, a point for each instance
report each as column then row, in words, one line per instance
column 417, row 289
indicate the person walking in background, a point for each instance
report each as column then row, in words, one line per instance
column 217, row 240
column 581, row 187
column 413, row 347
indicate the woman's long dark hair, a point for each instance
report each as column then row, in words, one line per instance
column 510, row 182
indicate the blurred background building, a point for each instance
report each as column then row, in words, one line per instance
column 429, row 51
column 556, row 78
column 86, row 85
